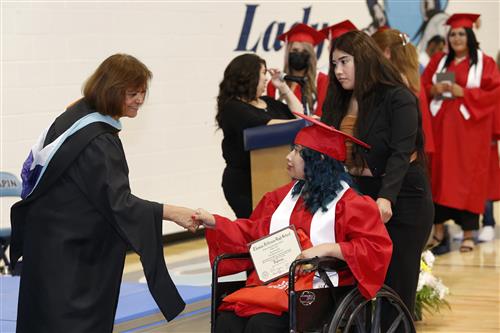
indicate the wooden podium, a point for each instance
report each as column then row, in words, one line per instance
column 268, row 146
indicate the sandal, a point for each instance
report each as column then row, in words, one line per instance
column 467, row 245
column 434, row 242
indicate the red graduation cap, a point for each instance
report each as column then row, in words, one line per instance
column 337, row 30
column 462, row 20
column 325, row 139
column 302, row 33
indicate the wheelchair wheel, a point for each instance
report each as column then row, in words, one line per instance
column 356, row 314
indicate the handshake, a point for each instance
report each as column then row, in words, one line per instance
column 188, row 218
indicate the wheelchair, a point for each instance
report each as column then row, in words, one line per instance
column 326, row 310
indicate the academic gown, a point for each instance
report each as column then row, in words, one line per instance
column 321, row 90
column 73, row 232
column 494, row 174
column 363, row 239
column 429, row 146
column 460, row 163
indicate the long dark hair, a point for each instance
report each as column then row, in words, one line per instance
column 472, row 45
column 373, row 73
column 240, row 81
column 321, row 185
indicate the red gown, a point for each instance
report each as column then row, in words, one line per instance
column 494, row 178
column 321, row 90
column 429, row 147
column 363, row 239
column 460, row 163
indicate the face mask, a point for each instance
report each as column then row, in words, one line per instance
column 298, row 60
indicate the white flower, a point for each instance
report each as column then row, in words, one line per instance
column 428, row 258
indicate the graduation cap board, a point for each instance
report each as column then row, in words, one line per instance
column 302, row 33
column 335, row 31
column 462, row 20
column 325, row 139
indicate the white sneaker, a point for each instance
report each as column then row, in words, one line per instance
column 486, row 234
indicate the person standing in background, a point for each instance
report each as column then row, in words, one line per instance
column 402, row 54
column 434, row 45
column 487, row 232
column 78, row 216
column 367, row 97
column 240, row 105
column 462, row 126
column 300, row 62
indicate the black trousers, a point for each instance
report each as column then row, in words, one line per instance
column 229, row 322
column 467, row 220
column 409, row 229
column 237, row 186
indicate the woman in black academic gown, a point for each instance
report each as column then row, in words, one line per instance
column 78, row 216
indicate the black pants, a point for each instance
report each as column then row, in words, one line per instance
column 467, row 220
column 237, row 186
column 229, row 322
column 409, row 229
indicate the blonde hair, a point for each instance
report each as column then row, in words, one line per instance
column 403, row 55
column 310, row 86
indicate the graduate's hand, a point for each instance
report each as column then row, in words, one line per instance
column 321, row 250
column 457, row 90
column 384, row 206
column 181, row 216
column 204, row 217
column 440, row 88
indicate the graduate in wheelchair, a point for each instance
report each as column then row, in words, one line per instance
column 331, row 220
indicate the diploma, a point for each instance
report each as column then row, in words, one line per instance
column 272, row 255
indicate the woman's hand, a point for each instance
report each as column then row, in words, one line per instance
column 457, row 90
column 385, row 208
column 277, row 81
column 204, row 217
column 321, row 250
column 182, row 216
column 440, row 88
column 291, row 100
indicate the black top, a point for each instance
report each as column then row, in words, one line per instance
column 393, row 129
column 237, row 116
column 395, row 132
column 73, row 232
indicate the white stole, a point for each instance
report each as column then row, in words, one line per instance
column 322, row 225
column 473, row 81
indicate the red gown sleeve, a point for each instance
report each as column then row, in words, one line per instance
column 233, row 236
column 426, row 121
column 484, row 100
column 426, row 78
column 271, row 90
column 364, row 241
column 321, row 90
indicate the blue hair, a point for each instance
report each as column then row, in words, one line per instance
column 321, row 185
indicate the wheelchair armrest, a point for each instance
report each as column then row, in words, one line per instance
column 324, row 263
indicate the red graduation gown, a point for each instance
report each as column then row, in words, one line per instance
column 363, row 239
column 321, row 90
column 460, row 163
column 426, row 121
column 494, row 177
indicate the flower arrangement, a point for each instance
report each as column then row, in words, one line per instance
column 431, row 291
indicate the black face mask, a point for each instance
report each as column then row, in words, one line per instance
column 298, row 60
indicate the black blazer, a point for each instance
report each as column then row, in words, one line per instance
column 393, row 129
